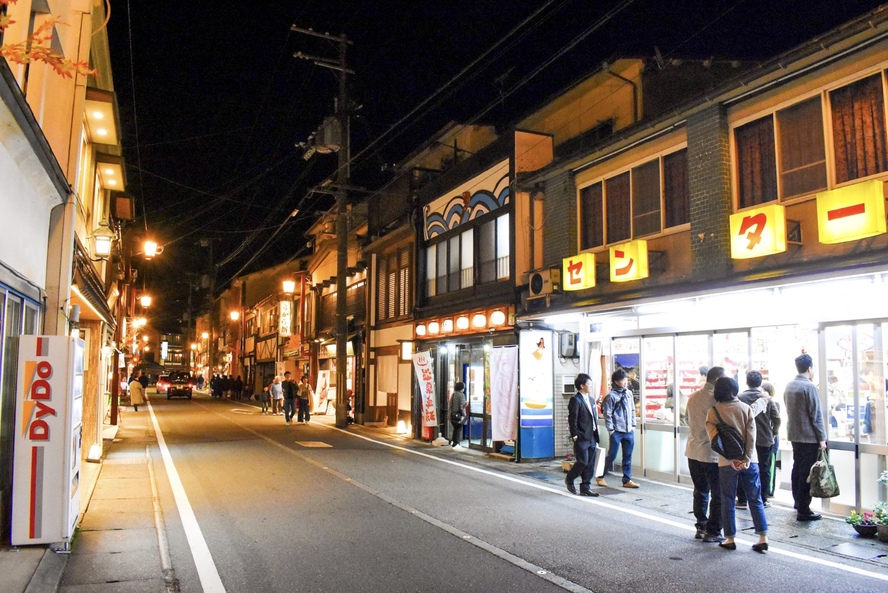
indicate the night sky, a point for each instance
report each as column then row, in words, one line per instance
column 213, row 103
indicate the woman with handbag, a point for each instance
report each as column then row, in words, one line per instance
column 732, row 411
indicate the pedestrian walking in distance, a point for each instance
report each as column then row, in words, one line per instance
column 582, row 421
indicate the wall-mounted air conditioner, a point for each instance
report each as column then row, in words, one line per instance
column 544, row 282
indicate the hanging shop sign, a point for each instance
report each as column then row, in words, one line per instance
column 851, row 213
column 578, row 271
column 285, row 319
column 422, row 364
column 758, row 232
column 629, row 261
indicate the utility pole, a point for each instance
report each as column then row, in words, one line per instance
column 342, row 180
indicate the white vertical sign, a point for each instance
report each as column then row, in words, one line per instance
column 422, row 363
column 504, row 393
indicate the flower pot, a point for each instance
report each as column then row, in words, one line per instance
column 883, row 532
column 865, row 530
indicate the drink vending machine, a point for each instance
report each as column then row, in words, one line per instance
column 46, row 460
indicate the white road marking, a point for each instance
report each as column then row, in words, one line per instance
column 203, row 560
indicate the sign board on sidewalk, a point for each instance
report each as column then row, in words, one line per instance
column 48, row 418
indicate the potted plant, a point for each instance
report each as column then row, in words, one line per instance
column 880, row 511
column 863, row 523
column 567, row 462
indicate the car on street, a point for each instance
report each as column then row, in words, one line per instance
column 180, row 385
column 163, row 383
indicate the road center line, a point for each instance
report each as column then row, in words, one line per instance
column 203, row 560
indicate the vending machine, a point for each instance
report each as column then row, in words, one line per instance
column 46, row 460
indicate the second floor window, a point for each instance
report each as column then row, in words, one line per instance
column 477, row 255
column 393, row 285
column 636, row 203
column 784, row 154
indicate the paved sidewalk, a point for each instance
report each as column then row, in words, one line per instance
column 117, row 547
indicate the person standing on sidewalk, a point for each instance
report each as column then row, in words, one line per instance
column 263, row 399
column 582, row 422
column 305, row 395
column 767, row 424
column 619, row 417
column 703, row 461
column 741, row 417
column 457, row 409
column 277, row 395
column 806, row 433
column 289, row 389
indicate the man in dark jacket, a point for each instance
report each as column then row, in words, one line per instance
column 582, row 421
column 767, row 426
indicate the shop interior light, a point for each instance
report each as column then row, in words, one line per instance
column 447, row 326
column 402, row 427
column 497, row 318
column 479, row 320
column 407, row 351
column 421, row 329
column 462, row 323
column 434, row 328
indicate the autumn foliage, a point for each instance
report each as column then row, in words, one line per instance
column 36, row 48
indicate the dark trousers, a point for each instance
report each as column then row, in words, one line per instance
column 707, row 493
column 584, row 464
column 765, row 471
column 803, row 457
column 304, row 413
column 456, row 433
column 289, row 409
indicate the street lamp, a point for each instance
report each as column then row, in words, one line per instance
column 235, row 315
column 289, row 286
column 145, row 300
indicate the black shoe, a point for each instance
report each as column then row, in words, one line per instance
column 762, row 548
column 730, row 546
column 570, row 486
column 588, row 493
column 809, row 517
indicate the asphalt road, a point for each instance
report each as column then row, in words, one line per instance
column 311, row 508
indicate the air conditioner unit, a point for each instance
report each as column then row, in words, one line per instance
column 544, row 282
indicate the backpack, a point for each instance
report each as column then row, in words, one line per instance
column 728, row 443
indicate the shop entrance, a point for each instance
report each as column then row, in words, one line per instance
column 467, row 364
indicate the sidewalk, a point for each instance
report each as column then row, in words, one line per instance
column 117, row 547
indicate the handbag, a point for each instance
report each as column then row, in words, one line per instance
column 823, row 477
column 728, row 443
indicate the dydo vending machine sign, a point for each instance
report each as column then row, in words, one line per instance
column 48, row 418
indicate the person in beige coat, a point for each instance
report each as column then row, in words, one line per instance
column 137, row 392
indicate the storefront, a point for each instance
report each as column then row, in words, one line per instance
column 479, row 348
column 841, row 322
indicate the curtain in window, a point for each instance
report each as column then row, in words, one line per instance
column 591, row 227
column 387, row 374
column 676, row 195
column 802, row 150
column 646, row 199
column 487, row 247
column 858, row 122
column 403, row 282
column 619, row 213
column 756, row 162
